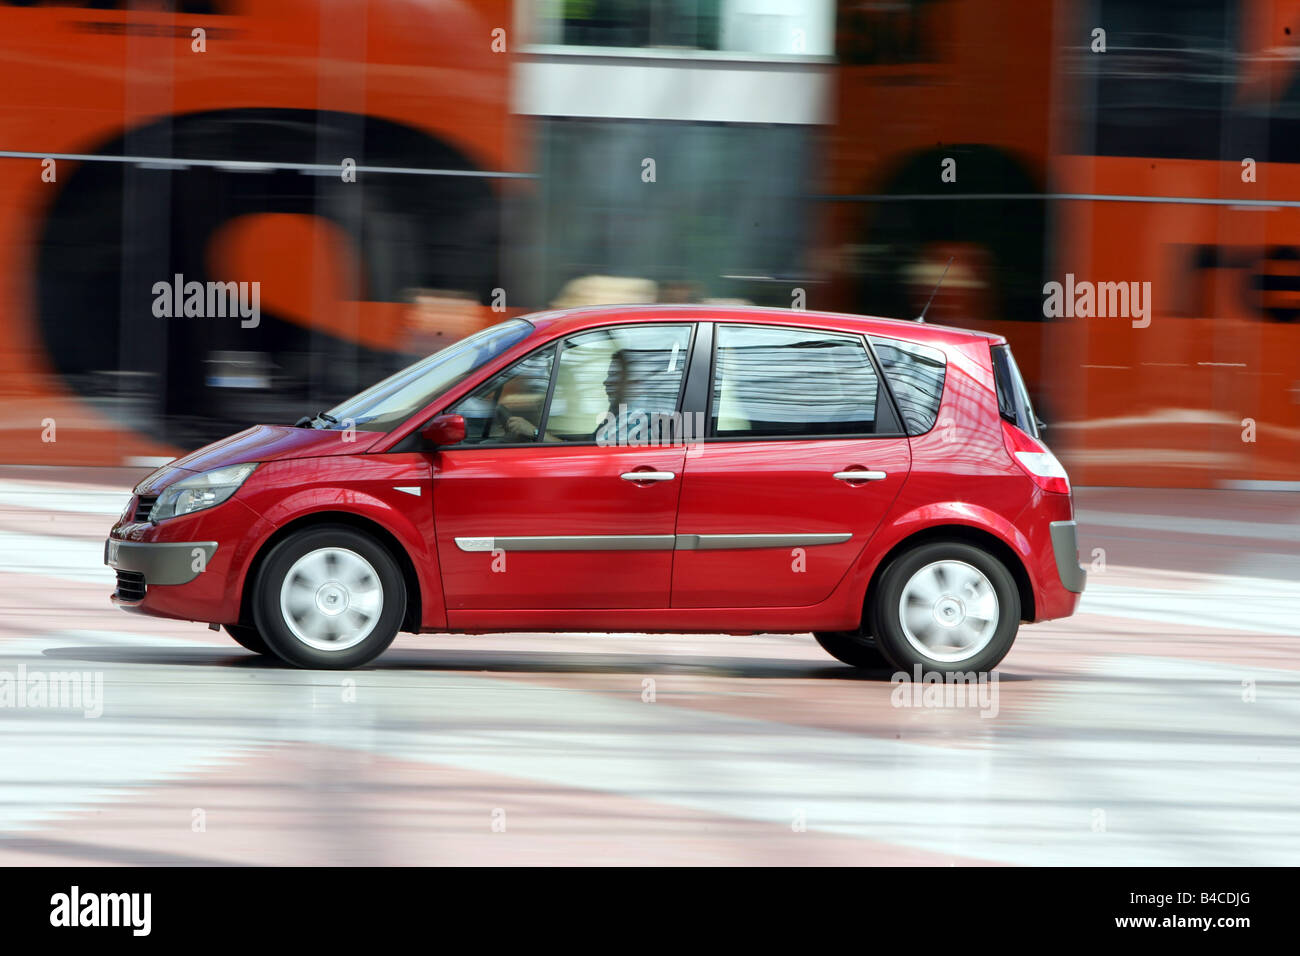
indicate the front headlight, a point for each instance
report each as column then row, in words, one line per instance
column 200, row 491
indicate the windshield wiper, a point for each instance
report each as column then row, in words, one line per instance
column 309, row 421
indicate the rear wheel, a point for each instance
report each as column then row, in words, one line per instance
column 852, row 647
column 248, row 637
column 947, row 607
column 330, row 598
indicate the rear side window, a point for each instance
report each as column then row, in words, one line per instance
column 916, row 374
column 1013, row 397
column 776, row 382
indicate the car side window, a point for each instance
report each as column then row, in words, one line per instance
column 916, row 374
column 507, row 408
column 773, row 382
column 618, row 385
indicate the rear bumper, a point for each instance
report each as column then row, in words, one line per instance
column 1065, row 548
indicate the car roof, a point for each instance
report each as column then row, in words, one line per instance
column 561, row 321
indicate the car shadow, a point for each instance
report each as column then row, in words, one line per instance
column 503, row 662
column 197, row 656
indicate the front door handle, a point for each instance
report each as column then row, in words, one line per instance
column 647, row 476
column 860, row 475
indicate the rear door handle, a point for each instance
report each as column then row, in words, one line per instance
column 860, row 475
column 647, row 476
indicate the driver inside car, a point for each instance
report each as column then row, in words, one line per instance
column 520, row 406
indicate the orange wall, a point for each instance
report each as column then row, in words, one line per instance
column 73, row 78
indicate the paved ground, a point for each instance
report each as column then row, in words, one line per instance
column 1156, row 727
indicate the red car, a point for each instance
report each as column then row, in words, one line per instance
column 638, row 468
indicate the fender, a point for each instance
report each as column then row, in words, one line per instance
column 364, row 486
column 895, row 529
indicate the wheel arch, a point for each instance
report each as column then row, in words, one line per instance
column 965, row 534
column 411, row 616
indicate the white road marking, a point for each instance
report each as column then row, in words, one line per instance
column 55, row 496
column 52, row 556
column 1216, row 527
column 1222, row 602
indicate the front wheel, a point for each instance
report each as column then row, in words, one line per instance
column 948, row 607
column 329, row 598
column 248, row 637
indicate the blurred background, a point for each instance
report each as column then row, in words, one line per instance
column 513, row 156
column 395, row 174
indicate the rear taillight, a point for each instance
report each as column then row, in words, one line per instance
column 1035, row 460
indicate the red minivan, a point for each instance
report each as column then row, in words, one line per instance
column 879, row 483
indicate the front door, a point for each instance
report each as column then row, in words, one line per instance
column 562, row 495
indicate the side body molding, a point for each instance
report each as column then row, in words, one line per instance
column 648, row 542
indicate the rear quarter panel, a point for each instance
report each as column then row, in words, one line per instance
column 962, row 475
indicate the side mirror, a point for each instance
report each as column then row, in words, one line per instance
column 444, row 430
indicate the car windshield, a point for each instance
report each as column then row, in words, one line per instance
column 387, row 404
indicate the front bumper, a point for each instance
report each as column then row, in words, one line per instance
column 140, row 564
column 1065, row 548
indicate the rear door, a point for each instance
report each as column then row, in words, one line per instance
column 802, row 457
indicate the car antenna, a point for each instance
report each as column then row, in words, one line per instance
column 921, row 317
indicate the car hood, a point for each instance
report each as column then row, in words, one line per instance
column 259, row 443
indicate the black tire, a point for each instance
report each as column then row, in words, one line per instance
column 853, row 647
column 248, row 637
column 985, row 653
column 285, row 635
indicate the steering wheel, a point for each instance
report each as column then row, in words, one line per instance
column 503, row 417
